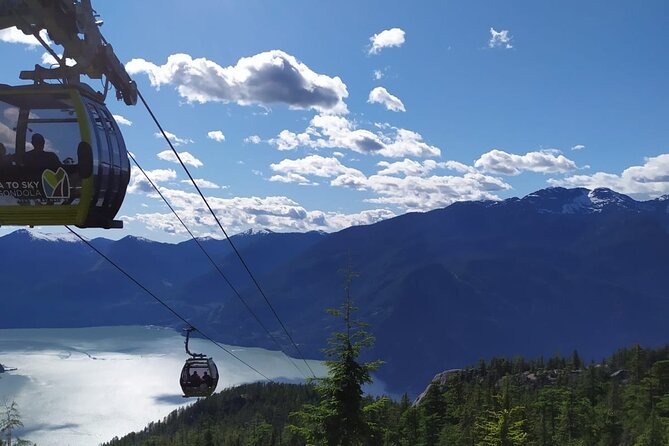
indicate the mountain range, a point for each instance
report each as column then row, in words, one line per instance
column 557, row 270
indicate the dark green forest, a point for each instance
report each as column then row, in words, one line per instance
column 621, row 401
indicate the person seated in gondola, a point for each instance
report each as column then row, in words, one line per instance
column 5, row 162
column 207, row 379
column 194, row 380
column 4, row 159
column 38, row 159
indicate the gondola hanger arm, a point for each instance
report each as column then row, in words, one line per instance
column 75, row 26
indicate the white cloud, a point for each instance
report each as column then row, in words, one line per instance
column 204, row 184
column 338, row 154
column 405, row 184
column 287, row 140
column 139, row 184
column 337, row 220
column 295, row 171
column 351, row 180
column 174, row 139
column 649, row 180
column 329, row 131
column 543, row 161
column 186, row 157
column 15, row 35
column 216, row 135
column 386, row 39
column 425, row 193
column 120, row 120
column 500, row 39
column 407, row 143
column 253, row 139
column 264, row 79
column 459, row 167
column 578, row 147
column 378, row 74
column 239, row 213
column 409, row 167
column 49, row 60
column 292, row 178
column 381, row 96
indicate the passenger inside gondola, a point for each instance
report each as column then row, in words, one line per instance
column 194, row 379
column 207, row 379
column 38, row 158
column 199, row 377
column 5, row 160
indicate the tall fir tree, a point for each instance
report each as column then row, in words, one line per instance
column 505, row 425
column 339, row 419
column 10, row 421
column 432, row 411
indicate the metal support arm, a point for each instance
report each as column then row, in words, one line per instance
column 75, row 26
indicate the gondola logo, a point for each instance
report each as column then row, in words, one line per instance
column 56, row 184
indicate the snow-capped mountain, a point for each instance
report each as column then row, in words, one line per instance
column 556, row 270
column 558, row 200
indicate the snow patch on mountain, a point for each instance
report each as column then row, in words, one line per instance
column 603, row 197
column 137, row 238
column 558, row 200
column 47, row 237
column 251, row 232
column 580, row 203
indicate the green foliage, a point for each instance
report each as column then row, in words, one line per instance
column 623, row 401
column 251, row 414
column 433, row 412
column 503, row 425
column 342, row 418
column 10, row 420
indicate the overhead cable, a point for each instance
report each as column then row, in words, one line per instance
column 218, row 268
column 163, row 303
column 218, row 222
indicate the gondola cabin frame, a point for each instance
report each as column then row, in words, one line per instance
column 200, row 388
column 88, row 185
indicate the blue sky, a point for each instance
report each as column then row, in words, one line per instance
column 303, row 115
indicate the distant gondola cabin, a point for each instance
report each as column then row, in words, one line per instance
column 199, row 377
column 62, row 157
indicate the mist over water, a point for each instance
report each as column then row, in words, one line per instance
column 83, row 386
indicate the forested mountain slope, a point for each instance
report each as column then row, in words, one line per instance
column 558, row 401
column 556, row 269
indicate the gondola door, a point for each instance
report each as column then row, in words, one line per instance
column 40, row 171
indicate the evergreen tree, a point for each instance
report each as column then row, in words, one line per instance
column 655, row 433
column 409, row 427
column 260, row 432
column 11, row 420
column 639, row 363
column 573, row 419
column 504, row 426
column 501, row 404
column 547, row 407
column 339, row 419
column 432, row 411
column 576, row 362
